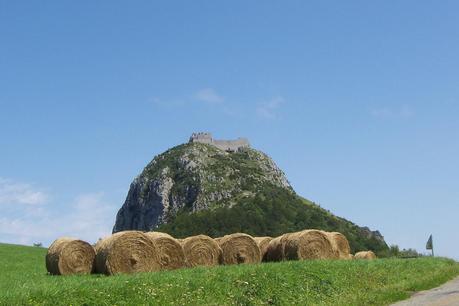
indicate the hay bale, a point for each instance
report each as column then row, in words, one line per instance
column 365, row 255
column 275, row 249
column 307, row 244
column 202, row 250
column 155, row 235
column 70, row 256
column 170, row 251
column 239, row 248
column 126, row 252
column 340, row 245
column 263, row 243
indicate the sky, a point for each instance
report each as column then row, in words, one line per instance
column 357, row 101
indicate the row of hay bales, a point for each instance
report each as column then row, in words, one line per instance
column 134, row 251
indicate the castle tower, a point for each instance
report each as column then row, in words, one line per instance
column 202, row 137
column 225, row 145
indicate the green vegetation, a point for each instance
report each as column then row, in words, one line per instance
column 394, row 251
column 24, row 281
column 272, row 212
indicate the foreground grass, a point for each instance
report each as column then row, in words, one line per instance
column 23, row 280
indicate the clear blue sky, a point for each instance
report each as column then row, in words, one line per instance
column 358, row 101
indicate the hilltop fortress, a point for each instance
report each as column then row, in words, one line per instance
column 225, row 145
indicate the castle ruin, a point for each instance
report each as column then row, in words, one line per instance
column 225, row 145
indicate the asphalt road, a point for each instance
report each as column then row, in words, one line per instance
column 445, row 295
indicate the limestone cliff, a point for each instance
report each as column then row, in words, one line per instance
column 195, row 176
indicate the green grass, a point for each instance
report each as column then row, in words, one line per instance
column 23, row 280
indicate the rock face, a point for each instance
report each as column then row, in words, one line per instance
column 365, row 231
column 192, row 177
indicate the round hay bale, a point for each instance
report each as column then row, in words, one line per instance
column 170, row 251
column 70, row 256
column 263, row 244
column 158, row 235
column 308, row 244
column 340, row 245
column 239, row 248
column 275, row 249
column 126, row 252
column 202, row 250
column 365, row 255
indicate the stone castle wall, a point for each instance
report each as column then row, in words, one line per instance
column 226, row 145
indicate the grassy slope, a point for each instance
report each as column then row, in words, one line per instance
column 23, row 280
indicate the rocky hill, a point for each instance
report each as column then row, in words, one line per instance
column 199, row 188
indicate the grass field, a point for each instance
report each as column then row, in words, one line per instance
column 23, row 280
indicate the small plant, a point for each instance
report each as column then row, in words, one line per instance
column 409, row 253
column 394, row 251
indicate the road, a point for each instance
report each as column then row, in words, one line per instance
column 445, row 295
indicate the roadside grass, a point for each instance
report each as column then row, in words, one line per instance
column 23, row 280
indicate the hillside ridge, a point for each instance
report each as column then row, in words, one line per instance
column 201, row 188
